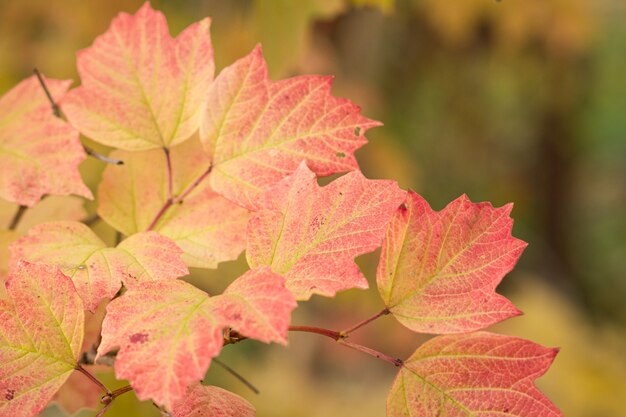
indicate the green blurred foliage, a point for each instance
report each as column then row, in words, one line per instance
column 505, row 101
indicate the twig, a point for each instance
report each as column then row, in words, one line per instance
column 360, row 324
column 17, row 217
column 170, row 174
column 101, row 157
column 95, row 380
column 236, row 375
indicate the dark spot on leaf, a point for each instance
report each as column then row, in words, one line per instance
column 403, row 207
column 317, row 222
column 357, row 131
column 340, row 155
column 506, row 409
column 139, row 338
column 10, row 394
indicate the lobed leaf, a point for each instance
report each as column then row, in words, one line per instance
column 166, row 334
column 258, row 131
column 141, row 89
column 311, row 235
column 438, row 270
column 257, row 305
column 41, row 332
column 207, row 227
column 209, row 401
column 97, row 270
column 39, row 153
column 479, row 374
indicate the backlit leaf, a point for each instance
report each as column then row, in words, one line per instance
column 41, row 332
column 257, row 305
column 311, row 235
column 258, row 131
column 479, row 374
column 206, row 226
column 439, row 270
column 97, row 270
column 166, row 333
column 209, row 401
column 141, row 89
column 39, row 153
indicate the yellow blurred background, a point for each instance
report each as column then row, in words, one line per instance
column 511, row 100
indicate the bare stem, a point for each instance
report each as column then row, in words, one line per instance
column 345, row 333
column 310, row 329
column 93, row 379
column 180, row 198
column 17, row 217
column 170, row 174
column 101, row 157
column 236, row 375
column 56, row 110
column 372, row 352
column 104, row 409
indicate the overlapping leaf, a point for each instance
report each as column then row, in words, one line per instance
column 39, row 153
column 209, row 401
column 258, row 131
column 257, row 305
column 97, row 270
column 479, row 374
column 141, row 89
column 168, row 331
column 311, row 235
column 46, row 210
column 439, row 270
column 41, row 331
column 206, row 226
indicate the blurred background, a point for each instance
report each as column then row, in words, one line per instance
column 506, row 101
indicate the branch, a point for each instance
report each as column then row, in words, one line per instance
column 17, row 217
column 236, row 375
column 56, row 110
column 345, row 333
column 93, row 379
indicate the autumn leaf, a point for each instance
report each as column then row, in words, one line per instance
column 141, row 89
column 97, row 270
column 311, row 235
column 257, row 305
column 206, row 226
column 49, row 209
column 258, row 131
column 473, row 374
column 209, row 401
column 39, row 153
column 41, row 332
column 166, row 334
column 438, row 270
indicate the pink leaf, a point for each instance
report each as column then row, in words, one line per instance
column 41, row 328
column 439, row 270
column 39, row 153
column 97, row 270
column 208, row 401
column 257, row 305
column 311, row 235
column 141, row 89
column 166, row 334
column 473, row 374
column 258, row 131
column 206, row 226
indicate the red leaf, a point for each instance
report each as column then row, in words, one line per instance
column 438, row 270
column 166, row 334
column 311, row 235
column 258, row 131
column 141, row 89
column 97, row 270
column 39, row 153
column 208, row 401
column 257, row 305
column 473, row 374
column 41, row 332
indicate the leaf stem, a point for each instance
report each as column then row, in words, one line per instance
column 101, row 157
column 17, row 217
column 236, row 375
column 345, row 333
column 318, row 330
column 93, row 379
column 180, row 198
column 170, row 174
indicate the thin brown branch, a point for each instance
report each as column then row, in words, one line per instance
column 101, row 157
column 170, row 174
column 360, row 324
column 15, row 221
column 236, row 375
column 56, row 110
column 93, row 379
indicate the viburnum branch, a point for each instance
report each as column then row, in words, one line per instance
column 95, row 380
column 310, row 329
column 237, row 375
column 180, row 198
column 17, row 217
column 345, row 333
column 104, row 409
column 56, row 110
column 170, row 174
column 372, row 352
